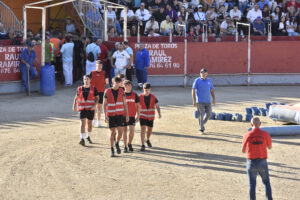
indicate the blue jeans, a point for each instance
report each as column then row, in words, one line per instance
column 141, row 75
column 254, row 167
column 32, row 72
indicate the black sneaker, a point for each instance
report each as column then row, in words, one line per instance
column 89, row 139
column 125, row 150
column 118, row 148
column 149, row 143
column 112, row 153
column 143, row 148
column 82, row 142
column 130, row 147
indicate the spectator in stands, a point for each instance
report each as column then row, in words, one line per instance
column 292, row 12
column 133, row 31
column 176, row 5
column 112, row 32
column 142, row 14
column 227, row 27
column 195, row 3
column 180, row 25
column 254, row 13
column 130, row 16
column 112, row 20
column 155, row 5
column 222, row 14
column 291, row 26
column 276, row 15
column 198, row 31
column 93, row 51
column 243, row 5
column 273, row 5
column 281, row 28
column 208, row 3
column 142, row 62
column 171, row 13
column 199, row 15
column 28, row 57
column 220, row 3
column 160, row 15
column 3, row 34
column 125, row 2
column 70, row 28
column 78, row 57
column 259, row 28
column 185, row 4
column 67, row 59
column 230, row 4
column 151, row 24
column 262, row 3
column 235, row 14
column 251, row 5
column 11, row 33
column 211, row 17
column 266, row 14
column 189, row 18
column 182, row 13
column 166, row 27
column 93, row 19
column 191, row 32
column 152, row 33
column 120, row 56
column 293, row 3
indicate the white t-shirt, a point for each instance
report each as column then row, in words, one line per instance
column 70, row 28
column 67, row 52
column 143, row 15
column 224, row 25
column 237, row 13
column 154, row 27
column 288, row 23
column 154, row 35
column 121, row 59
column 130, row 13
column 252, row 14
column 199, row 16
column 112, row 15
column 195, row 3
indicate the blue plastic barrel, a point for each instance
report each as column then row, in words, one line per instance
column 238, row 117
column 268, row 105
column 263, row 112
column 213, row 116
column 255, row 111
column 47, row 80
column 220, row 116
column 248, row 117
column 248, row 111
column 228, row 116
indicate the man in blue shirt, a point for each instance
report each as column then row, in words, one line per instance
column 202, row 89
column 142, row 62
column 28, row 57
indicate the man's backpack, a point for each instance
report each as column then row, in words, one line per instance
column 90, row 57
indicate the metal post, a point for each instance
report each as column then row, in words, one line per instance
column 170, row 37
column 105, row 23
column 206, row 40
column 237, row 32
column 138, row 34
column 25, row 24
column 185, row 62
column 125, row 24
column 249, row 57
column 269, row 32
column 43, row 35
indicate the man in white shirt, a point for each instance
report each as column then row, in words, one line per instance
column 235, row 13
column 70, row 28
column 121, row 57
column 91, row 63
column 254, row 13
column 142, row 14
column 151, row 24
column 199, row 15
column 130, row 15
column 227, row 27
column 67, row 59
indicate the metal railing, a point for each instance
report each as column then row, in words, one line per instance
column 9, row 19
column 91, row 17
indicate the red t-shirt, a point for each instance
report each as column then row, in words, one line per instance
column 256, row 142
column 296, row 5
column 104, row 51
column 98, row 80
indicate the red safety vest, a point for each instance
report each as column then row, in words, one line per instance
column 131, row 105
column 114, row 108
column 147, row 113
column 83, row 104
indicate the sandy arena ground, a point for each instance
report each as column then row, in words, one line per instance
column 41, row 157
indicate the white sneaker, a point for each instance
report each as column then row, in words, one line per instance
column 99, row 124
column 93, row 123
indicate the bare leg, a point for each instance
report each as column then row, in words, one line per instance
column 89, row 122
column 125, row 136
column 149, row 132
column 131, row 134
column 99, row 110
column 120, row 133
column 112, row 136
column 82, row 125
column 143, row 131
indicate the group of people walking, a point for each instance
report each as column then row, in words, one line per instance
column 122, row 109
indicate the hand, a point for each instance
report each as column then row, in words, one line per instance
column 195, row 104
column 93, row 108
column 214, row 102
column 28, row 66
column 137, row 118
column 159, row 115
column 127, row 118
column 106, row 119
column 74, row 109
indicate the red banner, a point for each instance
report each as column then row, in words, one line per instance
column 165, row 58
column 10, row 62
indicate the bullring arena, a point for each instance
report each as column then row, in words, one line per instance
column 41, row 158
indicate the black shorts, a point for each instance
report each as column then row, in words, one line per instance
column 89, row 114
column 131, row 121
column 101, row 97
column 145, row 122
column 115, row 121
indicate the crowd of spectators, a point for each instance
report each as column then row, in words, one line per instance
column 190, row 17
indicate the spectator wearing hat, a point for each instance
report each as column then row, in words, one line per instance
column 28, row 57
column 199, row 15
column 201, row 92
column 166, row 27
column 259, row 28
column 254, row 13
column 93, row 51
column 160, row 15
column 151, row 24
column 171, row 13
column 70, row 28
column 67, row 51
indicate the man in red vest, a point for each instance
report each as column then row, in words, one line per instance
column 133, row 105
column 114, row 108
column 148, row 103
column 86, row 100
column 99, row 79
